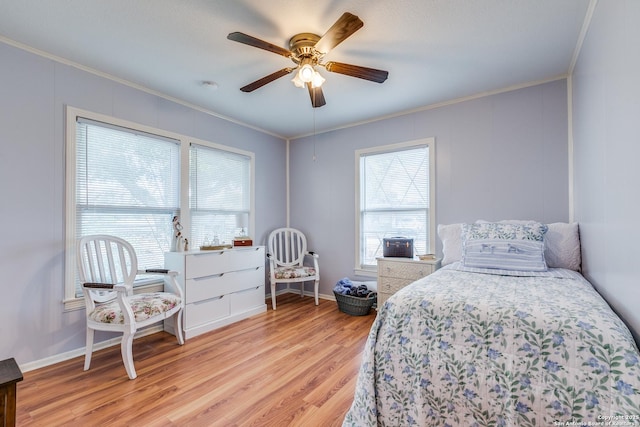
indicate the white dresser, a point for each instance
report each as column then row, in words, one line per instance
column 396, row 273
column 220, row 287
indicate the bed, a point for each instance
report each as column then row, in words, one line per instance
column 484, row 341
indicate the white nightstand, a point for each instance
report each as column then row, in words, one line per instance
column 396, row 273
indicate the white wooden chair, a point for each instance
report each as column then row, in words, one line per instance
column 287, row 249
column 107, row 267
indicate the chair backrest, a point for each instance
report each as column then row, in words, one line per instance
column 106, row 259
column 287, row 246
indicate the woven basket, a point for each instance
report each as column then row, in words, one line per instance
column 355, row 306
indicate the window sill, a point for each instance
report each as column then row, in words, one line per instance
column 366, row 272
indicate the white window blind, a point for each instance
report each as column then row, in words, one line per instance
column 394, row 200
column 220, row 191
column 128, row 185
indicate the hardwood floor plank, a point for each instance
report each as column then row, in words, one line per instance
column 296, row 366
column 287, row 384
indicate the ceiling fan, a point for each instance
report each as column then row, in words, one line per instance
column 307, row 51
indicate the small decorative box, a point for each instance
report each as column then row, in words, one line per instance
column 397, row 247
column 242, row 242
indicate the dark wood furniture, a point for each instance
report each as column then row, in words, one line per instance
column 10, row 374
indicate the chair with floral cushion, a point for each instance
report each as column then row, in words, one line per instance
column 287, row 250
column 107, row 267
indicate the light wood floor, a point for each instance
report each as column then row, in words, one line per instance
column 296, row 366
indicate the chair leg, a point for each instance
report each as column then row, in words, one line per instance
column 88, row 349
column 177, row 325
column 315, row 290
column 273, row 295
column 126, row 348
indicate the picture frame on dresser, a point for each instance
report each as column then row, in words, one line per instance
column 220, row 286
column 394, row 273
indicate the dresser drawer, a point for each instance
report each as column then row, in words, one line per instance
column 216, row 262
column 405, row 270
column 203, row 288
column 247, row 299
column 202, row 312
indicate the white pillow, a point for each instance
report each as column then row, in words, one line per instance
column 451, row 237
column 562, row 246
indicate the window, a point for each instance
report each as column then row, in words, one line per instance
column 130, row 180
column 220, row 183
column 395, row 197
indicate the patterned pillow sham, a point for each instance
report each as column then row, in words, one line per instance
column 504, row 246
column 500, row 230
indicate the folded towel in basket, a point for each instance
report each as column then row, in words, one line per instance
column 344, row 286
column 357, row 289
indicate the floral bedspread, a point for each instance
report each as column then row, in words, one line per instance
column 460, row 348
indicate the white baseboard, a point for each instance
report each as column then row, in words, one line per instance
column 292, row 290
column 37, row 364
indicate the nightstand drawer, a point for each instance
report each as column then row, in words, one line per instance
column 391, row 285
column 382, row 297
column 405, row 270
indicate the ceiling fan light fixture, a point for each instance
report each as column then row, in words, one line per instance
column 306, row 73
column 317, row 79
column 296, row 81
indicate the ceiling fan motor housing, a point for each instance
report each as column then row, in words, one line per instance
column 302, row 46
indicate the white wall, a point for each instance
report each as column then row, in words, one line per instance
column 33, row 93
column 606, row 134
column 500, row 156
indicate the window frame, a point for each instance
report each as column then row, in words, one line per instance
column 70, row 301
column 371, row 270
column 252, row 177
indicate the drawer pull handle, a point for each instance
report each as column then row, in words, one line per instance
column 208, row 253
column 243, row 291
column 198, row 279
column 208, row 300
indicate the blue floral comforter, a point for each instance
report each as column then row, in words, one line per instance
column 460, row 348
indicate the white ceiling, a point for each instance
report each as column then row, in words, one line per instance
column 435, row 50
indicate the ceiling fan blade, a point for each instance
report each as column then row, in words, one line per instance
column 267, row 79
column 345, row 26
column 261, row 44
column 317, row 97
column 365, row 73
